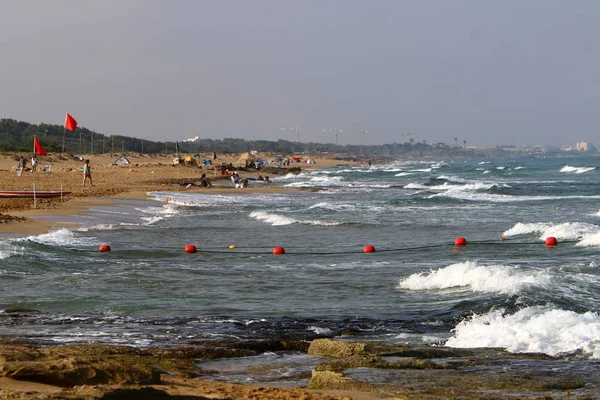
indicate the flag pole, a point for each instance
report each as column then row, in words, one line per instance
column 63, row 146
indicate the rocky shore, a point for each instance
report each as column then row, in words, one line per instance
column 352, row 370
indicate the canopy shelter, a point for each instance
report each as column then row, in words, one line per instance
column 247, row 158
column 122, row 161
column 191, row 161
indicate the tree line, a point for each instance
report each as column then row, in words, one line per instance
column 17, row 136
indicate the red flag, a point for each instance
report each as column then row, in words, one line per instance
column 70, row 123
column 37, row 147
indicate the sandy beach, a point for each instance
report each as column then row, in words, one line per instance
column 145, row 173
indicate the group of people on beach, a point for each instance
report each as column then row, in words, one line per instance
column 23, row 164
column 238, row 181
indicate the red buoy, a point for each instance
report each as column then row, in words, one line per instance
column 104, row 248
column 460, row 241
column 190, row 248
column 551, row 241
column 369, row 249
column 278, row 250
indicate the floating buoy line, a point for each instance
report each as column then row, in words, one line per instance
column 459, row 242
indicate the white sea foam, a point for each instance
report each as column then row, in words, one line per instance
column 60, row 237
column 369, row 186
column 348, row 207
column 564, row 231
column 99, row 227
column 404, row 173
column 491, row 278
column 576, row 170
column 155, row 214
column 590, row 241
column 451, row 178
column 519, row 167
column 531, row 330
column 319, row 330
column 418, row 186
column 392, row 170
column 502, row 198
column 422, row 170
column 174, row 201
column 278, row 219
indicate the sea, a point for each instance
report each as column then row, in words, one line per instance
column 504, row 289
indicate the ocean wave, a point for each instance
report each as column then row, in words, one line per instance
column 491, row 278
column 564, row 231
column 317, row 181
column 576, row 170
column 156, row 214
column 8, row 250
column 590, row 241
column 422, row 170
column 60, row 237
column 502, row 198
column 370, row 185
column 450, row 178
column 417, row 186
column 99, row 227
column 278, row 219
column 347, row 207
column 531, row 330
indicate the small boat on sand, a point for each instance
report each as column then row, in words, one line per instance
column 31, row 193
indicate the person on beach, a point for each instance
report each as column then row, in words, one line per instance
column 22, row 163
column 204, row 182
column 34, row 162
column 235, row 178
column 87, row 172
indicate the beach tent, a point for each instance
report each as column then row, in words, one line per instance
column 310, row 161
column 122, row 161
column 191, row 161
column 247, row 158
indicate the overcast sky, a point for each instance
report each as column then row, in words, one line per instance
column 488, row 72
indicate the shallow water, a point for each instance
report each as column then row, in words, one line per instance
column 416, row 288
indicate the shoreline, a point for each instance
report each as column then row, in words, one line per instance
column 32, row 221
column 146, row 173
column 348, row 364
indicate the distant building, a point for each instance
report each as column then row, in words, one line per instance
column 582, row 146
column 192, row 140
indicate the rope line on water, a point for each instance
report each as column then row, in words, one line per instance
column 460, row 243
